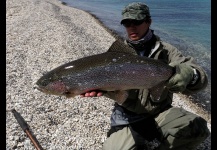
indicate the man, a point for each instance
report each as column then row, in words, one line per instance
column 139, row 120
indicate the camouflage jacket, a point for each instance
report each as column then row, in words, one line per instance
column 140, row 102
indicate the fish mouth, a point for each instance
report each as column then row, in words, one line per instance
column 44, row 90
column 39, row 88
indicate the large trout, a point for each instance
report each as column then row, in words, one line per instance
column 115, row 70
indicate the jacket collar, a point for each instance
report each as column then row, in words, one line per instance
column 157, row 45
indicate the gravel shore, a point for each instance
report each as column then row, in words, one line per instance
column 41, row 35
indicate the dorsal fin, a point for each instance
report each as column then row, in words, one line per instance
column 120, row 46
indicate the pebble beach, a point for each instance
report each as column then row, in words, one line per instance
column 41, row 35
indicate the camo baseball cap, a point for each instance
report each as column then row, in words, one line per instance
column 135, row 10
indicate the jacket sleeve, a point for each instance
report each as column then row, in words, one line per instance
column 175, row 56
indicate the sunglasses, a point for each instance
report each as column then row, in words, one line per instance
column 128, row 23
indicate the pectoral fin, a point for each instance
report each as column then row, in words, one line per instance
column 70, row 95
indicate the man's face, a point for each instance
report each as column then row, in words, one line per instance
column 135, row 29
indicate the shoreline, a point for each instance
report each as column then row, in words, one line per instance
column 41, row 35
column 113, row 33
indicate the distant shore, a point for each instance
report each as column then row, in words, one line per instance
column 41, row 35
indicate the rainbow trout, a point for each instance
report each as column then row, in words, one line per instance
column 115, row 70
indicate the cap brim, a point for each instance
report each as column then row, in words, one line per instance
column 129, row 19
column 132, row 18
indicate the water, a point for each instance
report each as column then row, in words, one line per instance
column 185, row 24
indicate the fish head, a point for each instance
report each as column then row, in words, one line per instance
column 51, row 83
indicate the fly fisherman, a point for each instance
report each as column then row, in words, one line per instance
column 140, row 119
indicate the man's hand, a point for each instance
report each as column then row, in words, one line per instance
column 92, row 94
column 182, row 77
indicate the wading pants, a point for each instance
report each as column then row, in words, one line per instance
column 178, row 130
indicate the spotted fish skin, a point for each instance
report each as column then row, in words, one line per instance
column 109, row 71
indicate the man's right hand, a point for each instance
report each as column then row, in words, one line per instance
column 92, row 94
column 183, row 76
